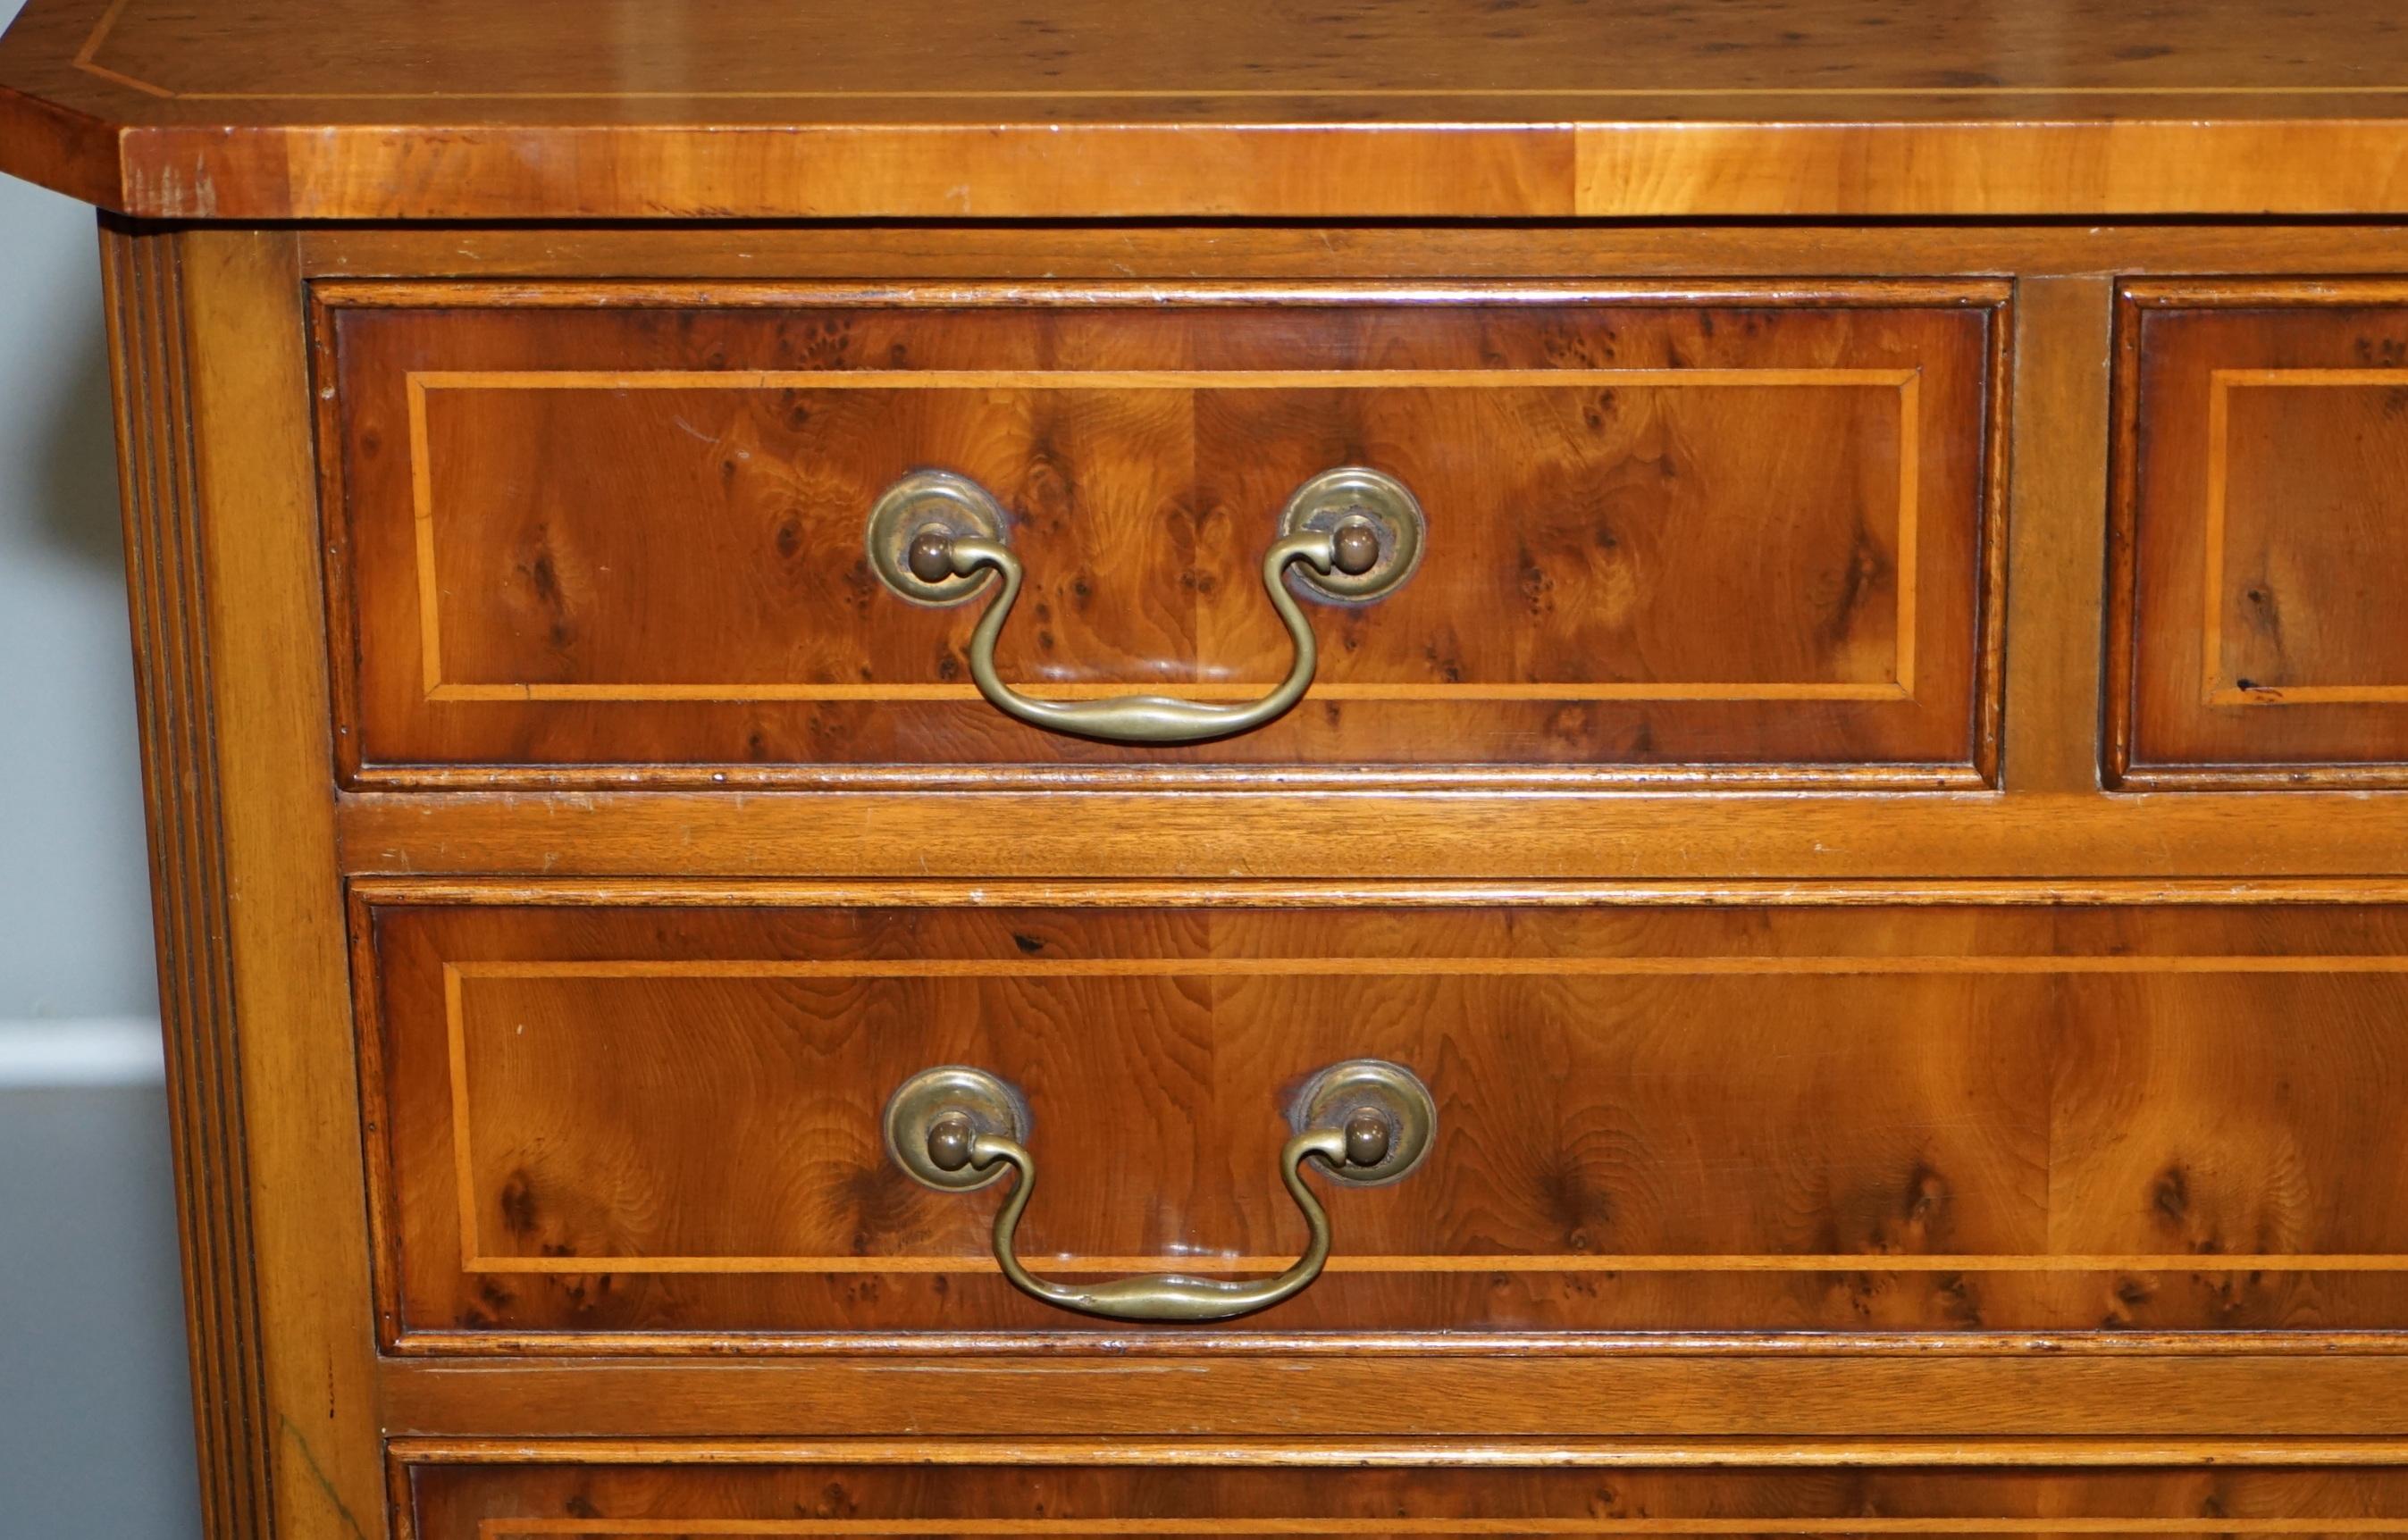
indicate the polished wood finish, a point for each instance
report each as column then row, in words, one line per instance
column 1381, row 253
column 1611, row 836
column 2256, row 628
column 646, row 1121
column 2061, row 401
column 622, row 526
column 1096, row 109
column 466, row 1499
column 181, row 773
column 1604, row 1392
column 2056, row 991
column 1703, row 1452
column 214, row 424
column 1965, row 1111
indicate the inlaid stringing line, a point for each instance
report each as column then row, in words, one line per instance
column 473, row 1259
column 2214, row 534
column 464, row 1162
column 1348, row 967
column 419, row 384
column 421, row 492
column 2218, row 1264
column 506, row 1529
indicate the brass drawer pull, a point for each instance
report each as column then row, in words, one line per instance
column 1368, row 1123
column 934, row 536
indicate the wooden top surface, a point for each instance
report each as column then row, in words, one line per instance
column 254, row 109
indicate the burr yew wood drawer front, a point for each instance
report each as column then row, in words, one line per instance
column 626, row 533
column 2262, row 635
column 642, row 1128
column 467, row 1493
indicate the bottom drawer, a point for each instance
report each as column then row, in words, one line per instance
column 456, row 1498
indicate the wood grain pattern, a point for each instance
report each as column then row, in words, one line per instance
column 149, row 368
column 1775, row 1394
column 215, row 470
column 1529, row 1453
column 265, row 713
column 750, row 254
column 353, row 109
column 2010, row 1158
column 510, row 1499
column 2059, row 492
column 2255, row 621
column 631, row 535
column 1386, row 833
column 639, row 1122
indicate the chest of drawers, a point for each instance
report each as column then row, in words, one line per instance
column 1656, row 749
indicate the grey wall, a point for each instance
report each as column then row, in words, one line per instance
column 95, row 1430
column 94, row 1419
column 74, row 920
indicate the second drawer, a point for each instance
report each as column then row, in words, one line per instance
column 634, row 1127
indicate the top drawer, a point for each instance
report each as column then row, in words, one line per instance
column 2255, row 627
column 1728, row 533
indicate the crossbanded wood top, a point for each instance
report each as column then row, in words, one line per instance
column 253, row 109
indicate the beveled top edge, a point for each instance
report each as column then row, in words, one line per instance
column 1099, row 110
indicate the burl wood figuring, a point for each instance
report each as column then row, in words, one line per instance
column 1867, row 800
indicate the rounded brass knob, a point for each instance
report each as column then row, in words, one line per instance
column 1374, row 528
column 930, row 556
column 1367, row 1138
column 1355, row 547
column 949, row 1141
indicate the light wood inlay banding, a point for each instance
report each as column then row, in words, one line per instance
column 477, row 1258
column 2220, row 688
column 507, row 1529
column 421, row 384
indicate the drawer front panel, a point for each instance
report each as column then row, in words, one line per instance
column 2259, row 632
column 616, row 1128
column 1746, row 530
column 568, row 1501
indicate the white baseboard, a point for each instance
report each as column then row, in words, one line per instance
column 87, row 1051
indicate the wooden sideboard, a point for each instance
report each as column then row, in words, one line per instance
column 1756, row 881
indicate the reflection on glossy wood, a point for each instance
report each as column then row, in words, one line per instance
column 558, row 110
column 1816, row 1386
column 1856, row 1136
column 1208, row 248
column 629, row 1121
column 2054, row 606
column 2258, row 621
column 471, row 1501
column 1389, row 835
column 633, row 536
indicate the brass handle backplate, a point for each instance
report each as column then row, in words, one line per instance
column 935, row 537
column 1366, row 1121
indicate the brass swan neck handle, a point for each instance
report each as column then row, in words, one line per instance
column 1368, row 1123
column 935, row 537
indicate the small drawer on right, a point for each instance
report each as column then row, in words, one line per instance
column 2258, row 602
